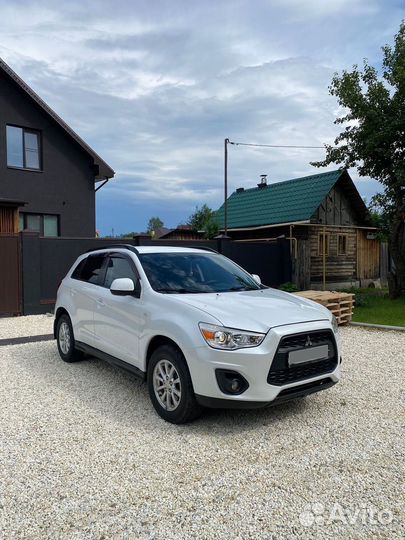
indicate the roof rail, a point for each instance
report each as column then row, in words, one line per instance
column 205, row 248
column 116, row 246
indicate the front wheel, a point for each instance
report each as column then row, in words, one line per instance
column 170, row 387
column 66, row 340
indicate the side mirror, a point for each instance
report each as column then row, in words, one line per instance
column 122, row 287
column 257, row 278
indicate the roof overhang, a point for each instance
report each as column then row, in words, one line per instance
column 305, row 224
column 12, row 203
column 267, row 226
column 101, row 169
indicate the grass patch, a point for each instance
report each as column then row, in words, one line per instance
column 375, row 307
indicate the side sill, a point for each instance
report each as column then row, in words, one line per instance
column 88, row 349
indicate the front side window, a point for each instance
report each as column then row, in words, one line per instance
column 195, row 273
column 118, row 267
column 23, row 148
column 91, row 269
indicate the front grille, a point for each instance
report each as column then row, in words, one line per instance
column 281, row 373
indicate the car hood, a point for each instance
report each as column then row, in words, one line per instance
column 256, row 310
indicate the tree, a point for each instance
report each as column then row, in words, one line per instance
column 373, row 139
column 153, row 224
column 379, row 219
column 128, row 234
column 203, row 219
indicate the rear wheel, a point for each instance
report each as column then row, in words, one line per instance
column 66, row 340
column 170, row 387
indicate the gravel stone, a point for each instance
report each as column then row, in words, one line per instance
column 83, row 454
column 32, row 325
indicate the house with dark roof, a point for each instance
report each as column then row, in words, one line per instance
column 324, row 219
column 48, row 174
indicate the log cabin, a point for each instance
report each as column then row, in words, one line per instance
column 324, row 218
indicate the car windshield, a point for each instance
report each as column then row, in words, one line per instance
column 195, row 273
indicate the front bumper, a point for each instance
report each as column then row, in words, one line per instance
column 254, row 365
column 286, row 394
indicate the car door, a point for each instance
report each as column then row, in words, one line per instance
column 119, row 320
column 85, row 282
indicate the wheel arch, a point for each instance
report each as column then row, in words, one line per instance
column 156, row 342
column 59, row 312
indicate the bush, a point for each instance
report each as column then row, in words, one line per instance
column 288, row 287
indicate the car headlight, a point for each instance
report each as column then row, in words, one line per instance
column 335, row 325
column 220, row 337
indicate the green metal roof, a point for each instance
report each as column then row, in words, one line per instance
column 283, row 202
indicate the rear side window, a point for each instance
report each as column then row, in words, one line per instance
column 89, row 269
column 118, row 267
column 77, row 271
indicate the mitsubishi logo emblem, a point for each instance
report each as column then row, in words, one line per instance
column 308, row 342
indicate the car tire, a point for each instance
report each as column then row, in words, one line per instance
column 66, row 341
column 170, row 386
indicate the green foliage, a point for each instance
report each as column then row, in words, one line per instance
column 373, row 139
column 203, row 219
column 379, row 219
column 201, row 216
column 381, row 310
column 288, row 287
column 373, row 305
column 128, row 235
column 211, row 229
column 153, row 224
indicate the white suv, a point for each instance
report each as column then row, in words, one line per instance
column 198, row 328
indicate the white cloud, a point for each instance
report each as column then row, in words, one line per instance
column 155, row 88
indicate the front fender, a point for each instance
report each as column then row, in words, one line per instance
column 181, row 327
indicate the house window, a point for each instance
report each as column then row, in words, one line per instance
column 342, row 244
column 44, row 224
column 33, row 222
column 50, row 225
column 23, row 148
column 321, row 239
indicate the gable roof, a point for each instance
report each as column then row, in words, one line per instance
column 285, row 202
column 104, row 170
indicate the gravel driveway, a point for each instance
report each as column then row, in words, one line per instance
column 83, row 455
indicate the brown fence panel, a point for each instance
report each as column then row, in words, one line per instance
column 10, row 283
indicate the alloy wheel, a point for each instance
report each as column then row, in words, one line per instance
column 64, row 338
column 167, row 385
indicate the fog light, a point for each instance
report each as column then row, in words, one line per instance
column 231, row 382
column 235, row 385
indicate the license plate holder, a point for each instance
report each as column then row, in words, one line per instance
column 307, row 355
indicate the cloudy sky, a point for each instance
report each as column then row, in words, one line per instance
column 155, row 87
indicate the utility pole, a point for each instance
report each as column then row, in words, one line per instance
column 226, row 187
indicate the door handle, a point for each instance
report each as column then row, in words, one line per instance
column 100, row 302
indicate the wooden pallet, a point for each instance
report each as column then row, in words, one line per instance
column 339, row 303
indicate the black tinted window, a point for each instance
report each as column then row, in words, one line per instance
column 194, row 273
column 118, row 267
column 77, row 271
column 91, row 269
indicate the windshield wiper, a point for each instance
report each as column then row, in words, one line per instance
column 241, row 289
column 177, row 291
